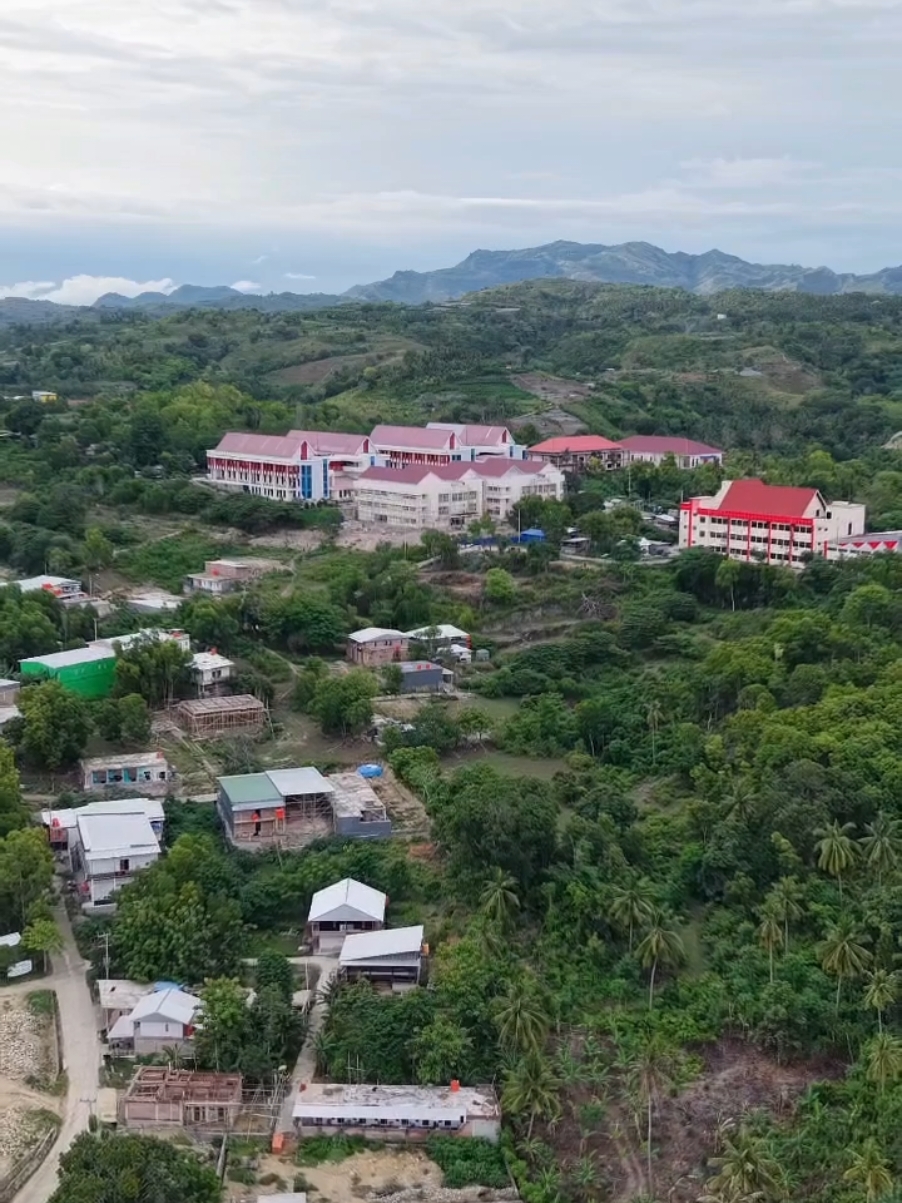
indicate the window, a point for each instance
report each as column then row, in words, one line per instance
column 124, row 865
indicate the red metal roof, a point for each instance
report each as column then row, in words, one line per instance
column 665, row 444
column 580, row 444
column 329, row 442
column 756, row 497
column 414, row 438
column 274, row 446
column 412, row 474
column 498, row 466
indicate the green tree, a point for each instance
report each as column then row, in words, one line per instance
column 344, row 704
column 274, row 969
column 881, row 992
column 870, row 1171
column 442, row 1051
column 500, row 588
column 660, row 945
column 224, row 1025
column 26, row 876
column 843, row 954
column 785, row 899
column 770, row 935
column 650, row 1074
column 56, row 725
column 43, row 936
column 97, row 553
column 882, row 845
column 134, row 720
column 727, row 579
column 654, row 714
column 392, row 678
column 13, row 811
column 746, row 1171
column 133, row 1169
column 836, row 850
column 522, row 1018
column 499, row 900
column 632, row 906
column 531, row 1090
column 883, row 1060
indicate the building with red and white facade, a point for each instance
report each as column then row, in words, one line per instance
column 303, row 465
column 777, row 524
column 451, row 496
column 656, row 448
column 442, row 443
column 575, row 452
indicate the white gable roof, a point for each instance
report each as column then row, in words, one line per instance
column 392, row 942
column 174, row 1005
column 347, row 900
column 373, row 634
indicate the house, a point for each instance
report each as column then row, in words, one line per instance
column 777, row 524
column 119, row 996
column 211, row 673
column 62, row 825
column 210, row 718
column 346, row 907
column 124, row 643
column 451, row 496
column 656, row 448
column 576, row 452
column 421, row 676
column 409, row 1113
column 441, row 635
column 66, row 590
column 304, row 465
column 89, row 671
column 220, row 577
column 159, row 1020
column 109, row 850
column 150, row 772
column 357, row 810
column 161, row 1097
column 372, row 647
column 43, row 397
column 392, row 956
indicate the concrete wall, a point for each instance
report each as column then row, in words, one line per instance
column 352, row 827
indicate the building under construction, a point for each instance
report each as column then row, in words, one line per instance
column 209, row 718
column 161, row 1097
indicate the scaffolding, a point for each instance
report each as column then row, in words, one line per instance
column 207, row 718
column 206, row 1104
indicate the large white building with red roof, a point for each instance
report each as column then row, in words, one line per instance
column 575, row 452
column 656, row 448
column 303, row 465
column 776, row 524
column 443, row 443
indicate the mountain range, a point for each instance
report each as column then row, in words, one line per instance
column 628, row 263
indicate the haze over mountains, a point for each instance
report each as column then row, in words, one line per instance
column 628, row 263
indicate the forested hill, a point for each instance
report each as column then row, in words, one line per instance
column 743, row 369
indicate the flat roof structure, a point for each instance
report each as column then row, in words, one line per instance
column 123, row 760
column 120, row 994
column 248, row 791
column 117, row 835
column 346, row 900
column 31, row 584
column 371, row 634
column 76, row 655
column 390, row 942
column 354, row 797
column 356, row 1100
column 208, row 661
column 295, row 783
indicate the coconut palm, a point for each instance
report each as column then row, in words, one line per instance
column 522, row 1020
column 531, row 1089
column 881, row 991
column 786, row 899
column 882, row 846
column 843, row 954
column 870, row 1171
column 883, row 1060
column 746, row 1173
column 632, row 906
column 654, row 715
column 649, row 1074
column 585, row 1177
column 741, row 799
column 661, row 945
column 770, row 934
column 836, row 850
column 499, row 900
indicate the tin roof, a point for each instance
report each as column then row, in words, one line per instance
column 116, row 834
column 390, row 942
column 583, row 444
column 413, row 438
column 76, row 655
column 292, row 783
column 666, row 444
column 756, row 497
column 347, row 899
column 270, row 446
column 371, row 634
column 248, row 790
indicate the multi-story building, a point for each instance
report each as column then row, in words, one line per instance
column 855, row 547
column 374, row 647
column 656, row 448
column 777, row 524
column 478, row 442
column 576, row 452
column 451, row 496
column 224, row 576
column 110, row 849
column 303, row 465
column 443, row 443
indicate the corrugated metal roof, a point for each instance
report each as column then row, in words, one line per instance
column 295, row 782
column 665, row 444
column 581, row 443
column 346, row 896
column 755, row 497
column 174, row 1005
column 413, row 438
column 330, row 442
column 441, row 630
column 269, row 446
column 116, row 834
column 392, row 942
column 250, row 789
column 370, row 634
column 76, row 655
column 152, row 808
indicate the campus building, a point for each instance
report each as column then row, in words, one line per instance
column 576, row 452
column 440, row 443
column 303, row 465
column 776, row 524
column 656, row 448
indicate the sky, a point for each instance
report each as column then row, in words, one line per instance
column 309, row 145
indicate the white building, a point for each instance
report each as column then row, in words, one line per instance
column 477, row 442
column 393, row 955
column 124, row 643
column 66, row 590
column 109, row 849
column 396, row 1112
column 161, row 1019
column 211, row 673
column 148, row 771
column 303, row 465
column 856, row 547
column 656, row 448
column 451, row 496
column 341, row 909
column 776, row 524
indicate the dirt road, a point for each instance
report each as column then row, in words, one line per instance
column 305, row 1068
column 81, row 1057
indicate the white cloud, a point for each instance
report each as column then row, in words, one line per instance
column 746, row 173
column 298, row 276
column 260, row 259
column 83, row 290
column 247, row 286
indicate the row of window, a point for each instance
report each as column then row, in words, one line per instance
column 371, row 1122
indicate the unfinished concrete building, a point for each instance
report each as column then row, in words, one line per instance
column 161, row 1097
column 210, row 718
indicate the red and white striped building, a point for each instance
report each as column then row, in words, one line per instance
column 777, row 524
column 303, row 465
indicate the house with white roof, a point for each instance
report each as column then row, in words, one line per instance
column 393, row 956
column 62, row 825
column 344, row 908
column 109, row 849
column 404, row 1113
column 211, row 673
column 161, row 1019
column 373, row 647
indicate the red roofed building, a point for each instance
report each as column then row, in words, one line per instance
column 777, row 524
column 575, row 452
column 303, row 465
column 655, row 449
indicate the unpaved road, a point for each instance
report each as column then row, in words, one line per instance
column 305, row 1068
column 81, row 1056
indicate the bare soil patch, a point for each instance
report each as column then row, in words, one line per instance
column 364, row 1175
column 25, row 1055
column 552, row 388
column 318, row 370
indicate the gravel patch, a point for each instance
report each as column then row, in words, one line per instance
column 21, row 1040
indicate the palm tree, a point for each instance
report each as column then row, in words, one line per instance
column 746, row 1173
column 654, row 714
column 883, row 1060
column 785, row 897
column 531, row 1088
column 870, row 1171
column 836, row 850
column 522, row 1020
column 882, row 846
column 584, row 1177
column 632, row 906
column 740, row 800
column 499, row 899
column 661, row 945
column 650, row 1073
column 881, row 992
column 770, row 934
column 843, row 954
